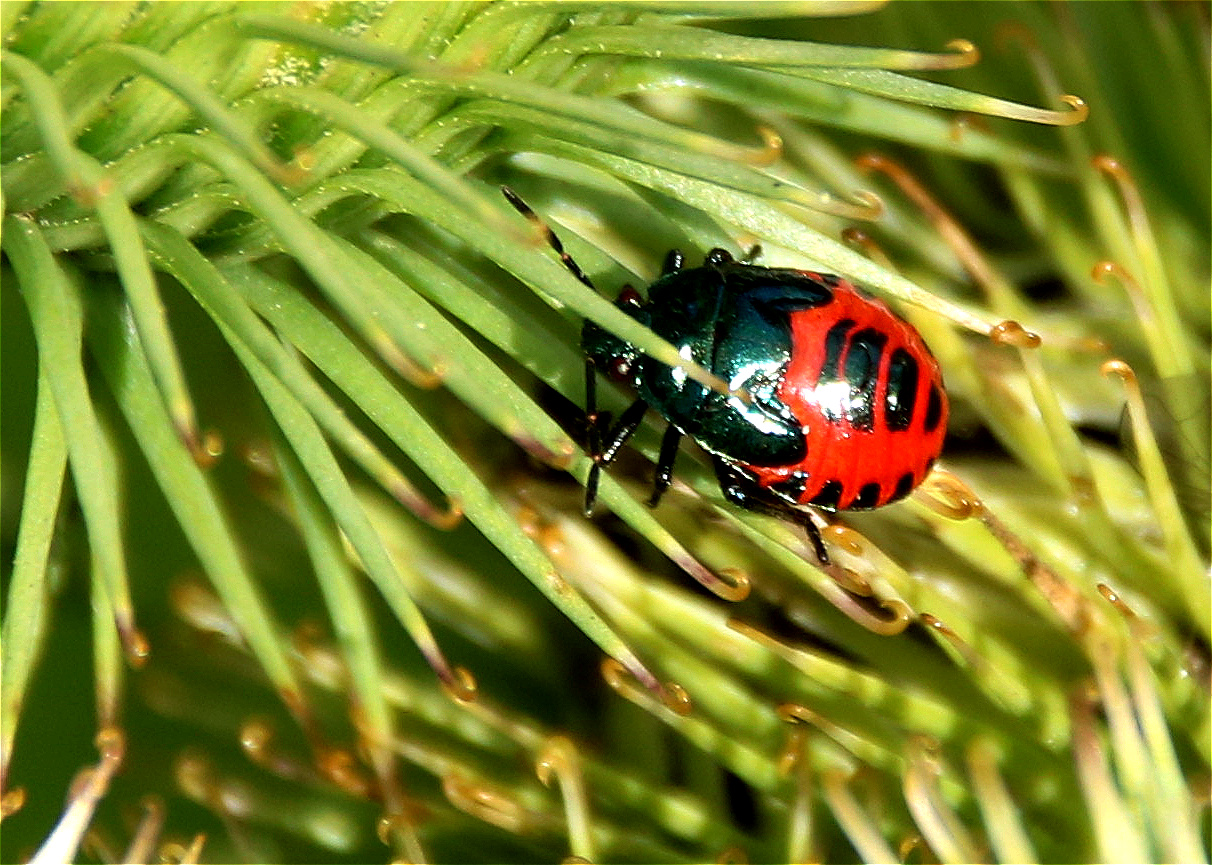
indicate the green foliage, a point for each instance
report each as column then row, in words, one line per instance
column 270, row 329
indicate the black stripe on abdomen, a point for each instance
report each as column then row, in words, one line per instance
column 862, row 374
column 901, row 393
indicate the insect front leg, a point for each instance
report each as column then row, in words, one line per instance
column 605, row 440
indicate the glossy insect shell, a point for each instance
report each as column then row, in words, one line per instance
column 848, row 408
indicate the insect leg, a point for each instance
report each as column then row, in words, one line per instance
column 605, row 451
column 593, row 421
column 743, row 491
column 628, row 423
column 604, row 448
column 664, row 467
column 814, row 535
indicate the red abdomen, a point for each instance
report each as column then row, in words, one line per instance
column 870, row 396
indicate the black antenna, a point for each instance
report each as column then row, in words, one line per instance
column 523, row 208
column 605, row 440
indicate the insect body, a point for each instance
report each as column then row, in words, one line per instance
column 847, row 408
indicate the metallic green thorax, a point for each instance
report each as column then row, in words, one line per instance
column 731, row 319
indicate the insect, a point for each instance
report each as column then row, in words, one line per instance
column 846, row 409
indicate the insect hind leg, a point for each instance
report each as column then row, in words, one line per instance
column 744, row 492
column 550, row 236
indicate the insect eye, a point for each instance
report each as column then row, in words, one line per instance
column 630, row 297
column 619, row 369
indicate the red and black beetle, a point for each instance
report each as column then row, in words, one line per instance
column 847, row 408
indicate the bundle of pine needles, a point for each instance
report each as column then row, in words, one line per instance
column 292, row 462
